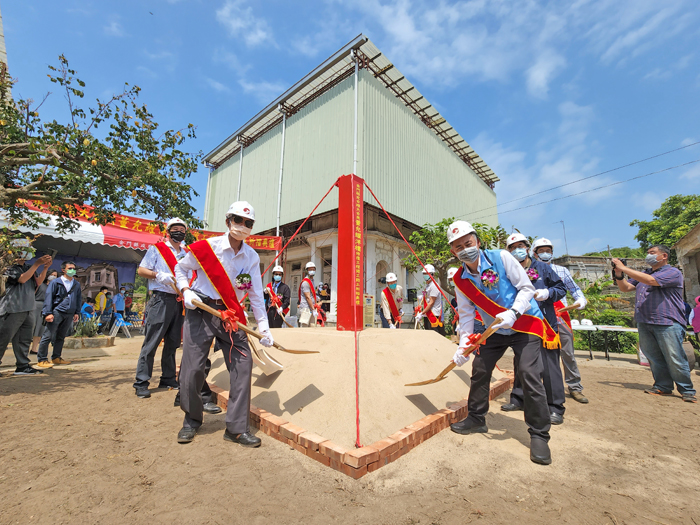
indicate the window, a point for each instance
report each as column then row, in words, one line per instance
column 109, row 278
column 96, row 277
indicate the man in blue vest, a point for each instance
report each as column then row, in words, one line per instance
column 549, row 288
column 493, row 280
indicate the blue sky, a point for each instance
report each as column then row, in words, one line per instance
column 546, row 92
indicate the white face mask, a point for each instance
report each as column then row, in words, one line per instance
column 51, row 278
column 312, row 272
column 239, row 231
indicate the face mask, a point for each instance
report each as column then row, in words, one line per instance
column 109, row 296
column 277, row 278
column 177, row 236
column 70, row 273
column 469, row 255
column 238, row 231
column 51, row 278
column 426, row 277
column 392, row 286
column 27, row 255
column 545, row 256
column 520, row 254
column 312, row 272
column 651, row 259
column 121, row 292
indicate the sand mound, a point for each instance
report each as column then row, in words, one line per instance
column 317, row 392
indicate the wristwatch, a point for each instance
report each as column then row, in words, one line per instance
column 517, row 314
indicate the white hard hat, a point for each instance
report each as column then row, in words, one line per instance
column 451, row 272
column 516, row 237
column 430, row 268
column 458, row 229
column 391, row 277
column 541, row 242
column 309, row 265
column 172, row 222
column 278, row 269
column 242, row 209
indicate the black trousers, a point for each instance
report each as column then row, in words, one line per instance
column 201, row 328
column 527, row 350
column 439, row 329
column 55, row 333
column 17, row 328
column 274, row 318
column 552, row 379
column 163, row 323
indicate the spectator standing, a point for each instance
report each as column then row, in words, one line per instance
column 39, row 297
column 101, row 300
column 128, row 303
column 660, row 316
column 61, row 310
column 17, row 305
column 119, row 305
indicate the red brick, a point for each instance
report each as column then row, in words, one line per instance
column 385, row 447
column 335, row 465
column 354, row 473
column 333, row 451
column 297, row 447
column 273, row 422
column 291, row 431
column 419, row 428
column 279, row 437
column 359, row 457
column 374, row 466
column 324, row 460
column 403, row 437
column 311, row 440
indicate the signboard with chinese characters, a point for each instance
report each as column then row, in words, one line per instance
column 260, row 242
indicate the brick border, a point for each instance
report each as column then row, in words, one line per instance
column 360, row 461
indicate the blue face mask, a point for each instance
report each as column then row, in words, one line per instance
column 426, row 277
column 520, row 254
column 392, row 286
column 277, row 278
column 545, row 256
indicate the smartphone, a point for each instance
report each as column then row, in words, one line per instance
column 53, row 253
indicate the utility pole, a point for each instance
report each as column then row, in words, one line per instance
column 565, row 243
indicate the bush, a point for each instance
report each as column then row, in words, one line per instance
column 627, row 340
column 87, row 327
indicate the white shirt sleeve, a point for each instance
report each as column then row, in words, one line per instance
column 385, row 308
column 149, row 260
column 255, row 295
column 183, row 268
column 467, row 313
column 518, row 277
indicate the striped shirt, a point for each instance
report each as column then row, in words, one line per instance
column 663, row 304
column 569, row 283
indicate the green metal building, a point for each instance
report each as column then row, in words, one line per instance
column 355, row 113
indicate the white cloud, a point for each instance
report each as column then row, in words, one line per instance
column 692, row 173
column 231, row 60
column 238, row 18
column 666, row 73
column 114, row 28
column 541, row 73
column 265, row 92
column 688, row 141
column 217, row 86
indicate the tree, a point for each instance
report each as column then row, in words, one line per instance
column 676, row 216
column 625, row 252
column 111, row 157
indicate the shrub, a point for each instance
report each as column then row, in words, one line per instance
column 87, row 327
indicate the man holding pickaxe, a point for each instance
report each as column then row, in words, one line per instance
column 495, row 284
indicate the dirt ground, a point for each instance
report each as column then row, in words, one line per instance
column 77, row 446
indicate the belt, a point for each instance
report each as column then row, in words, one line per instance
column 211, row 302
column 164, row 294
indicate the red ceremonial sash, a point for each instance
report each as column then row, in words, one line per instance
column 527, row 324
column 392, row 304
column 313, row 290
column 275, row 300
column 565, row 316
column 434, row 321
column 215, row 272
column 167, row 254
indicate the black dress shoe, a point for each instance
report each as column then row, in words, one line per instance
column 177, row 400
column 467, row 426
column 143, row 392
column 539, row 452
column 246, row 439
column 212, row 408
column 186, row 435
column 511, row 407
column 556, row 419
column 169, row 387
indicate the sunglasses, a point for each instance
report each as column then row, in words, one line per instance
column 242, row 220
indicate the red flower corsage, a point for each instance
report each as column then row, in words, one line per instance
column 489, row 278
column 532, row 274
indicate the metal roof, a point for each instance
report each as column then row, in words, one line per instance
column 330, row 73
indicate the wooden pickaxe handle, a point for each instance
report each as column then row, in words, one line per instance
column 574, row 306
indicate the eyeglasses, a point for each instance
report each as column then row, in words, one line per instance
column 242, row 220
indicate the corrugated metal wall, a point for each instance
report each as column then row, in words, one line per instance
column 412, row 171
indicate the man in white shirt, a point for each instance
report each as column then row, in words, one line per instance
column 494, row 280
column 232, row 268
column 307, row 297
column 164, row 314
column 392, row 301
column 431, row 305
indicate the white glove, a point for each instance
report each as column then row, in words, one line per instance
column 267, row 339
column 164, row 278
column 419, row 317
column 542, row 295
column 392, row 326
column 582, row 302
column 507, row 319
column 279, row 311
column 460, row 359
column 188, row 296
column 401, row 312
